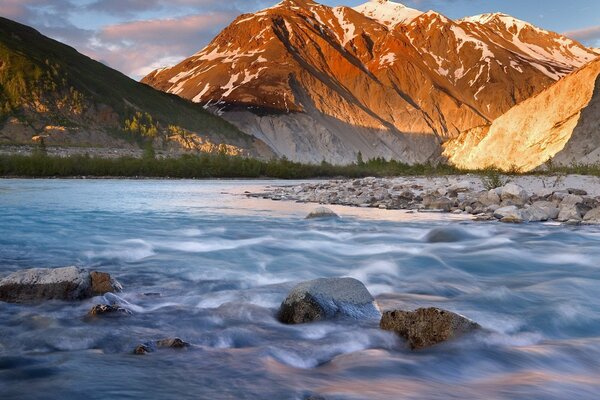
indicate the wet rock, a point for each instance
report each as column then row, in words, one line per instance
column 104, row 283
column 321, row 212
column 68, row 283
column 108, row 310
column 427, row 326
column 169, row 343
column 514, row 193
column 448, row 234
column 323, row 299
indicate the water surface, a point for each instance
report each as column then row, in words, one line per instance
column 200, row 261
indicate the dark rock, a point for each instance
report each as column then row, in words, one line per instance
column 322, row 299
column 68, row 283
column 427, row 326
column 108, row 310
column 578, row 192
column 169, row 343
column 448, row 234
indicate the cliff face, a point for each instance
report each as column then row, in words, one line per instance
column 320, row 83
column 561, row 124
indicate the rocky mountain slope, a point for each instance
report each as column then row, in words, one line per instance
column 561, row 124
column 50, row 91
column 317, row 82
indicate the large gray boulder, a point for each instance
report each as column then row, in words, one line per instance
column 427, row 326
column 592, row 216
column 323, row 299
column 68, row 283
column 509, row 214
column 514, row 194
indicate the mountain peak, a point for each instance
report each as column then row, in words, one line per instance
column 388, row 12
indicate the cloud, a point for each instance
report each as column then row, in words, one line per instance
column 588, row 35
column 138, row 47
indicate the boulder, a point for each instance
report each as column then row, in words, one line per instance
column 508, row 213
column 535, row 214
column 323, row 299
column 578, row 192
column 548, row 207
column 321, row 212
column 448, row 234
column 489, row 198
column 441, row 203
column 427, row 326
column 107, row 310
column 572, row 212
column 592, row 216
column 514, row 194
column 67, row 283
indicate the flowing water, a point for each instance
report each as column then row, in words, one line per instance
column 200, row 261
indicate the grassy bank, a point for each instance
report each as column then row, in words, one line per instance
column 202, row 166
column 40, row 165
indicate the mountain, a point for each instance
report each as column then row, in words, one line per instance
column 561, row 124
column 49, row 90
column 317, row 82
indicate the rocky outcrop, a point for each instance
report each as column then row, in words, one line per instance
column 325, row 83
column 560, row 124
column 426, row 327
column 321, row 213
column 323, row 299
column 510, row 203
column 68, row 283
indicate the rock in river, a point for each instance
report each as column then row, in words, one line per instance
column 68, row 283
column 108, row 310
column 169, row 343
column 321, row 212
column 322, row 299
column 427, row 326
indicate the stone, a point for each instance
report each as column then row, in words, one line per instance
column 508, row 212
column 592, row 216
column 448, row 234
column 321, row 213
column 67, row 283
column 548, row 207
column 328, row 298
column 442, row 203
column 571, row 200
column 578, row 192
column 514, row 193
column 535, row 214
column 572, row 212
column 108, row 310
column 489, row 198
column 169, row 343
column 426, row 327
column 104, row 283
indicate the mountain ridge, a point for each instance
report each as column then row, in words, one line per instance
column 326, row 83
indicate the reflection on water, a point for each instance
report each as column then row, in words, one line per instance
column 201, row 261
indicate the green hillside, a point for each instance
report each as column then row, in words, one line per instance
column 46, row 83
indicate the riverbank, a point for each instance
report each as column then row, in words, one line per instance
column 571, row 199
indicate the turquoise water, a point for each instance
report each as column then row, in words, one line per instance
column 200, row 261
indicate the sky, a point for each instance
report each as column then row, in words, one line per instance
column 138, row 36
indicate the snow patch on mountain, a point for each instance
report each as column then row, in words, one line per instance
column 388, row 13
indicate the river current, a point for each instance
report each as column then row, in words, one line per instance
column 201, row 261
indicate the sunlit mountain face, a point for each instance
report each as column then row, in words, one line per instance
column 323, row 83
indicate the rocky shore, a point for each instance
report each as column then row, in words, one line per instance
column 515, row 200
